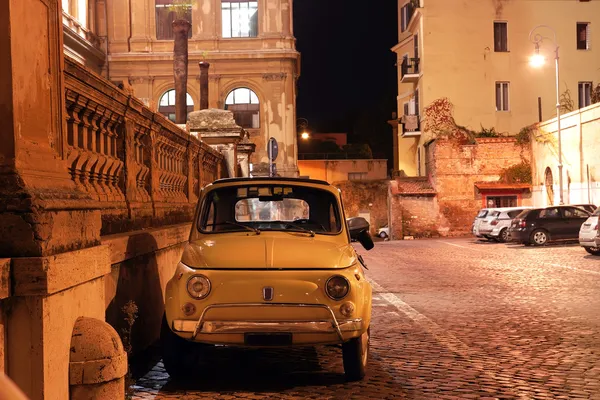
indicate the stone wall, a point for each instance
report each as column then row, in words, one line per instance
column 366, row 197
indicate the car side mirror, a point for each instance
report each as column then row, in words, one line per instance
column 359, row 231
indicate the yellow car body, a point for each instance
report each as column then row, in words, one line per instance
column 269, row 289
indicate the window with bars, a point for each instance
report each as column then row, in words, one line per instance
column 585, row 94
column 583, row 36
column 500, row 36
column 245, row 106
column 502, row 96
column 239, row 18
column 168, row 11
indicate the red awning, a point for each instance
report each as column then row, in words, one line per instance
column 502, row 186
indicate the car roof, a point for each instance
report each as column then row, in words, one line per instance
column 266, row 179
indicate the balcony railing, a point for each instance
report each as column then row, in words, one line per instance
column 410, row 70
column 411, row 125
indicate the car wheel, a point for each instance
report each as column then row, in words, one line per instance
column 595, row 251
column 382, row 235
column 503, row 236
column 539, row 237
column 179, row 355
column 355, row 353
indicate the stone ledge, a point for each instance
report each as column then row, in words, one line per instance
column 39, row 276
column 125, row 246
column 4, row 278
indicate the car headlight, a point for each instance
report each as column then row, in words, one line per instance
column 198, row 287
column 337, row 287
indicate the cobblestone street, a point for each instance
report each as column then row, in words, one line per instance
column 452, row 319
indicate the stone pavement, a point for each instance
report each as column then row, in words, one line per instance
column 452, row 319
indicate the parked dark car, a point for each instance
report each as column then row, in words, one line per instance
column 587, row 207
column 540, row 225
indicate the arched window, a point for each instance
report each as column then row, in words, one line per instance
column 549, row 182
column 244, row 104
column 166, row 105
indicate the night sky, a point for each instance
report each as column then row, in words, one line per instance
column 348, row 79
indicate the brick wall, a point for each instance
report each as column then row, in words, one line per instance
column 456, row 168
column 366, row 196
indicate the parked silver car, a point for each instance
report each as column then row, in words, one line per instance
column 589, row 235
column 495, row 225
column 479, row 218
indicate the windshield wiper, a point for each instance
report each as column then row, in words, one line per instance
column 301, row 228
column 255, row 230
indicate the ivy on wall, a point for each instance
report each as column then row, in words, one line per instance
column 518, row 173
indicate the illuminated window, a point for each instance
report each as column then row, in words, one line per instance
column 357, row 176
column 502, row 96
column 168, row 11
column 245, row 106
column 239, row 18
column 166, row 105
column 65, row 6
column 82, row 12
column 585, row 94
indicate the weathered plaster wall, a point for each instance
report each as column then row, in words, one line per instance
column 338, row 170
column 580, row 134
column 142, row 263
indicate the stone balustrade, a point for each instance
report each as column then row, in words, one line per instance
column 140, row 168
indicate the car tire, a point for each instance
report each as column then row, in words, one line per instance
column 539, row 237
column 382, row 235
column 355, row 354
column 179, row 355
column 595, row 251
column 503, row 235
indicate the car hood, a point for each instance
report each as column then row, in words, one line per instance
column 267, row 252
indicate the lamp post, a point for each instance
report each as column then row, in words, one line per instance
column 537, row 60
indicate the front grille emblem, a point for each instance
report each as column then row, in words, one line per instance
column 268, row 293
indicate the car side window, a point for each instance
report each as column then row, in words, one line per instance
column 549, row 213
column 574, row 213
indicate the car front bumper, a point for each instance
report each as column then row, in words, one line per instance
column 232, row 331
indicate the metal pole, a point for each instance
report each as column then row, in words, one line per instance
column 560, row 164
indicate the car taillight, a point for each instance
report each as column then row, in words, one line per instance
column 522, row 223
column 494, row 222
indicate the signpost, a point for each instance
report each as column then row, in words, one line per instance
column 273, row 151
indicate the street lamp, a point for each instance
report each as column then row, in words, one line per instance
column 303, row 125
column 536, row 61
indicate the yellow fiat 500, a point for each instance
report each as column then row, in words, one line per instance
column 269, row 263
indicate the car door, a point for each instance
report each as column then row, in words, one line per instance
column 573, row 217
column 550, row 219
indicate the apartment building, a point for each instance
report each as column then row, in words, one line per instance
column 476, row 54
column 249, row 45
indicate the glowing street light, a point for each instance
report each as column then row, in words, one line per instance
column 305, row 136
column 537, row 60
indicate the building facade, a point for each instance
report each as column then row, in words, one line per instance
column 343, row 170
column 475, row 54
column 580, row 147
column 249, row 45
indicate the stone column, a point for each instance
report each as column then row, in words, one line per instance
column 181, row 28
column 48, row 228
column 204, row 66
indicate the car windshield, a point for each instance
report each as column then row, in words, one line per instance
column 270, row 208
